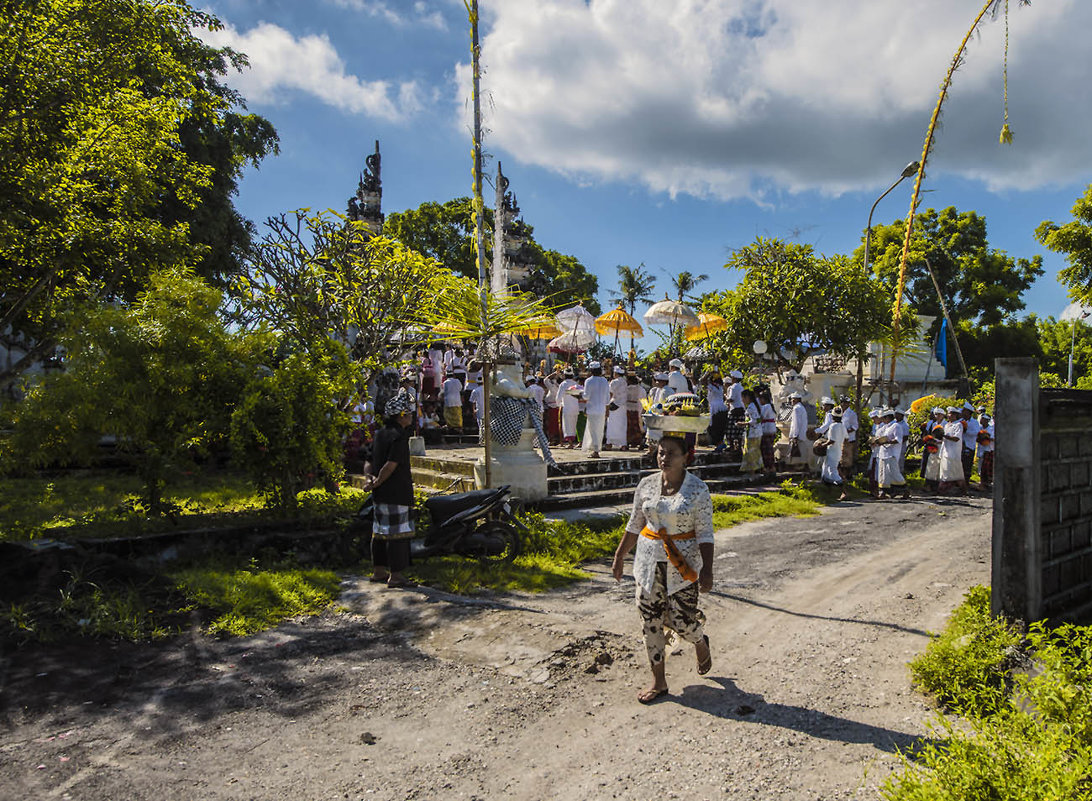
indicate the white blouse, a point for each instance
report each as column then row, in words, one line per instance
column 690, row 509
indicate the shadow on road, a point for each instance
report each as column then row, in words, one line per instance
column 772, row 608
column 732, row 703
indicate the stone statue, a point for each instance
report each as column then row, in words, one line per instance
column 514, row 426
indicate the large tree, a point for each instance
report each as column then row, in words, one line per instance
column 1074, row 239
column 981, row 285
column 445, row 232
column 799, row 303
column 119, row 155
column 317, row 276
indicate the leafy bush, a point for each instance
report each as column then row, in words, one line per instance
column 287, row 430
column 965, row 668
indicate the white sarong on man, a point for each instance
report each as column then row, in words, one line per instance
column 951, row 453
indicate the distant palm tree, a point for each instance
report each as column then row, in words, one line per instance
column 635, row 285
column 684, row 284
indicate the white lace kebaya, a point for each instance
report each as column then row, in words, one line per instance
column 689, row 509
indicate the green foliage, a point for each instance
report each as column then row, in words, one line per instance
column 112, row 158
column 923, row 407
column 982, row 345
column 1035, row 744
column 1056, row 339
column 981, row 285
column 965, row 667
column 93, row 605
column 791, row 500
column 798, row 303
column 1074, row 239
column 445, row 232
column 635, row 285
column 287, row 429
column 317, row 276
column 248, row 600
column 161, row 375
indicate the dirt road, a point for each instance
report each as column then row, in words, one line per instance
column 421, row 695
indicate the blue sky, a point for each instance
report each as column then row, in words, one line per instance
column 670, row 132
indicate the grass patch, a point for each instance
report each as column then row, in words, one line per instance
column 1027, row 734
column 88, row 504
column 247, row 600
column 791, row 500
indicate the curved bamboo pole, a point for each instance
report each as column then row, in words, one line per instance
column 930, row 133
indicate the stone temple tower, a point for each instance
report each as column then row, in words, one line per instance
column 367, row 204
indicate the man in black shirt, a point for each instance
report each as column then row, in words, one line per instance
column 392, row 493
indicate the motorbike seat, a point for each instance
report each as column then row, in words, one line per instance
column 444, row 507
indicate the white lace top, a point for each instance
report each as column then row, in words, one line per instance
column 690, row 509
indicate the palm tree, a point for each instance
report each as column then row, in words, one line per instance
column 685, row 282
column 635, row 285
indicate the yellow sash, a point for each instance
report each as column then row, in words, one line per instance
column 673, row 554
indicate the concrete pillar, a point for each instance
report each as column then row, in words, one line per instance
column 1016, row 588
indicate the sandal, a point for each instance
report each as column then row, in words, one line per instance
column 704, row 666
column 651, row 696
column 401, row 584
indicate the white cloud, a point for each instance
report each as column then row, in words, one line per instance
column 1075, row 311
column 282, row 65
column 749, row 98
column 421, row 13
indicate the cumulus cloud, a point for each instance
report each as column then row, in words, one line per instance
column 282, row 65
column 752, row 98
column 420, row 13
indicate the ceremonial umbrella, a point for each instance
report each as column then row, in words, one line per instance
column 707, row 324
column 576, row 318
column 575, row 341
column 672, row 313
column 698, row 354
column 544, row 331
column 615, row 322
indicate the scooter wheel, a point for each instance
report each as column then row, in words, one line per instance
column 497, row 541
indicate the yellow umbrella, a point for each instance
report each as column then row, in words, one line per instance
column 707, row 324
column 543, row 331
column 617, row 321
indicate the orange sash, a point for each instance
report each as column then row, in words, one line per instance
column 672, row 550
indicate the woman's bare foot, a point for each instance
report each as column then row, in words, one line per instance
column 652, row 694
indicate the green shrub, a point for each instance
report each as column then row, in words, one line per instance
column 965, row 668
column 287, row 431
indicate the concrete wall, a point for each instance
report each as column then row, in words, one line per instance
column 1042, row 528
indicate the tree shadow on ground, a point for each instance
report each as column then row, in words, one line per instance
column 730, row 702
column 192, row 679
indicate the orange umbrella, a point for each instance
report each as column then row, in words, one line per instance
column 544, row 331
column 707, row 324
column 617, row 321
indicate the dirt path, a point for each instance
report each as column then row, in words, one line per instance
column 422, row 695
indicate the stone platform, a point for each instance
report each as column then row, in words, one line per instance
column 577, row 481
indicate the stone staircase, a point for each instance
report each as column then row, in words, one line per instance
column 577, row 481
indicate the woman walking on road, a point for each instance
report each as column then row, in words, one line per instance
column 672, row 527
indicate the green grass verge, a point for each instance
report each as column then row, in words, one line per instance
column 1027, row 733
column 107, row 504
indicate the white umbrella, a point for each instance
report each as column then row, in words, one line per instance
column 575, row 341
column 671, row 312
column 577, row 318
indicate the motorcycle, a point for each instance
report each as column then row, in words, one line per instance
column 478, row 524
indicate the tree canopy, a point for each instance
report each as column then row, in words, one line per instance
column 119, row 155
column 980, row 285
column 1074, row 239
column 799, row 303
column 445, row 232
column 635, row 285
